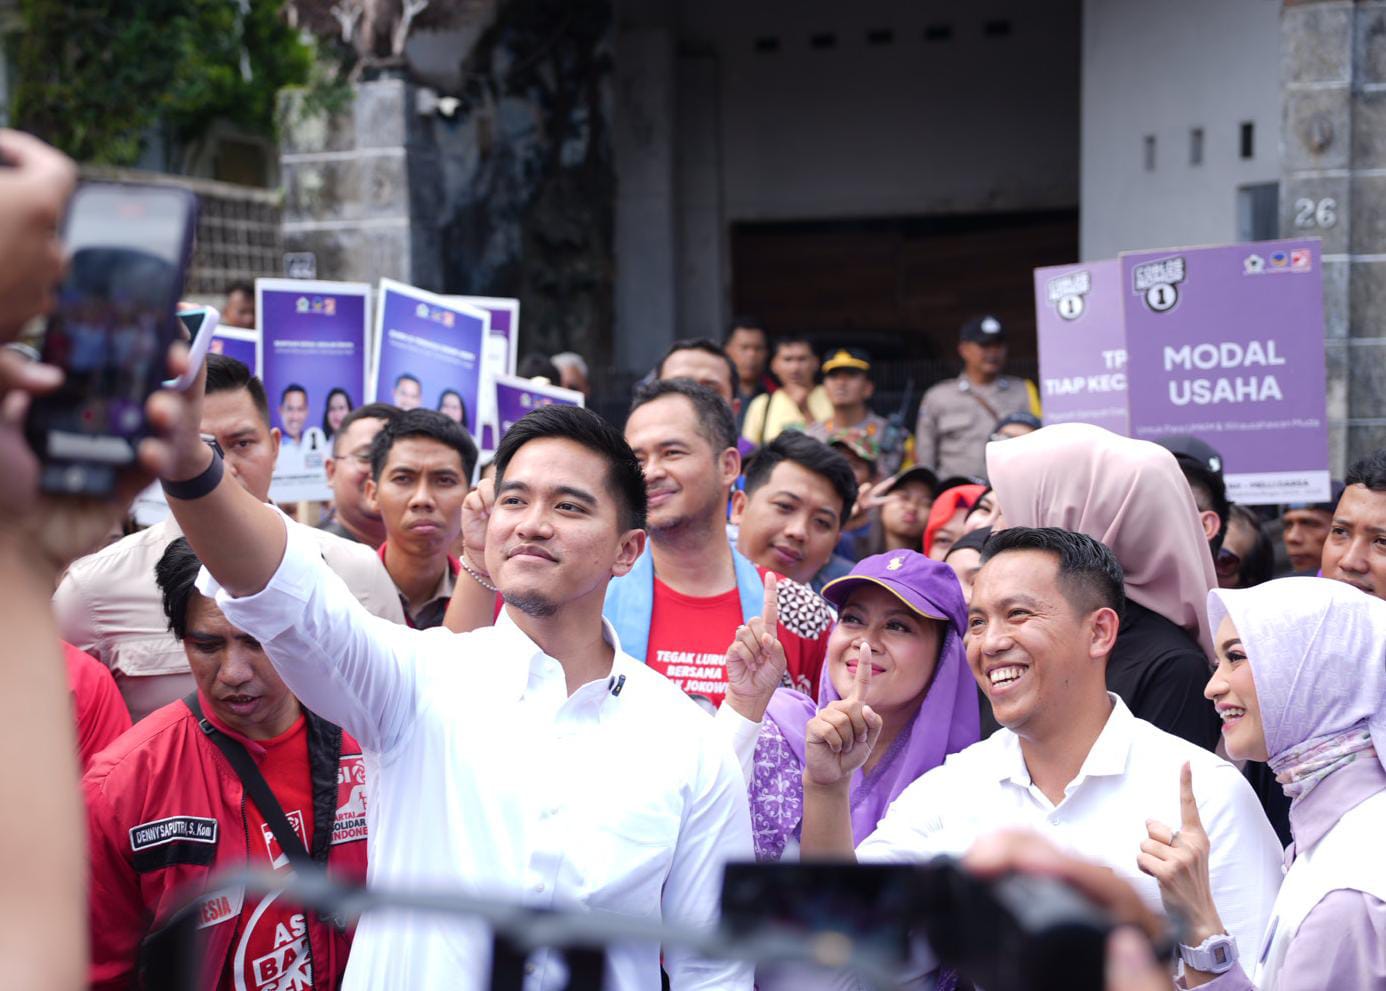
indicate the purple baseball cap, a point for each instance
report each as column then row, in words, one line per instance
column 929, row 588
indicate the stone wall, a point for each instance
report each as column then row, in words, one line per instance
column 503, row 190
column 353, row 185
column 1333, row 69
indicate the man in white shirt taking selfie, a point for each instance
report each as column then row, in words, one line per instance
column 532, row 760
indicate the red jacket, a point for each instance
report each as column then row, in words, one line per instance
column 101, row 713
column 165, row 773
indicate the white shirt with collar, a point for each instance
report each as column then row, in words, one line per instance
column 487, row 778
column 1131, row 774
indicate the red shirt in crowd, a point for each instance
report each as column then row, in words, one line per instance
column 269, row 949
column 97, row 704
column 689, row 637
column 166, row 814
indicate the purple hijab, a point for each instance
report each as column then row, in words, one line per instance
column 1317, row 650
column 947, row 720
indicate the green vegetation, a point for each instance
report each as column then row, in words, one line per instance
column 94, row 76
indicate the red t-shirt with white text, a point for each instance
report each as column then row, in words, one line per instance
column 689, row 637
column 270, row 948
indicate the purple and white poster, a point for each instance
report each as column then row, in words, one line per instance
column 150, row 506
column 428, row 352
column 516, row 396
column 313, row 366
column 1082, row 344
column 239, row 343
column 498, row 357
column 1226, row 343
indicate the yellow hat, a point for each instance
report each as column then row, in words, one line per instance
column 844, row 358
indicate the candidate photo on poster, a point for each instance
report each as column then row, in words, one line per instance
column 312, row 357
column 428, row 351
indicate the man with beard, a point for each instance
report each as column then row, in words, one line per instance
column 684, row 598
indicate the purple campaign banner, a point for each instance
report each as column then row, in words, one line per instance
column 505, row 328
column 428, row 352
column 499, row 356
column 313, row 365
column 1226, row 343
column 516, row 396
column 238, row 343
column 1082, row 344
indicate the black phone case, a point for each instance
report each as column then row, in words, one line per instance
column 89, row 461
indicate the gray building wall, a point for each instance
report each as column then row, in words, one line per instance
column 1162, row 70
column 866, row 128
column 811, row 110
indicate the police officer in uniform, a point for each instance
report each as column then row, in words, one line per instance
column 957, row 416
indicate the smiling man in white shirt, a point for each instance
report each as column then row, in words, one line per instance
column 1070, row 762
column 532, row 760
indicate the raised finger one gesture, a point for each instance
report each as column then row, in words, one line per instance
column 755, row 659
column 1178, row 860
column 840, row 738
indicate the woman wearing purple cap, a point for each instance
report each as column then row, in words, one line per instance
column 1300, row 682
column 910, row 612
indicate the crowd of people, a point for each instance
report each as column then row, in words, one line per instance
column 757, row 620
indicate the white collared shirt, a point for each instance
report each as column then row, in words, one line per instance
column 1131, row 774
column 488, row 778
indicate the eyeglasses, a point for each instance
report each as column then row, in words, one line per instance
column 363, row 460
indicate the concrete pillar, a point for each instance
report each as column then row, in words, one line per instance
column 1333, row 65
column 643, row 146
column 358, row 187
column 702, row 269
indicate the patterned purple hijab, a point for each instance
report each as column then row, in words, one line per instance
column 1317, row 650
column 947, row 720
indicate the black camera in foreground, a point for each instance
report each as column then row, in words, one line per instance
column 1015, row 933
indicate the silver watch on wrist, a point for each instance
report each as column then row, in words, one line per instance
column 1215, row 955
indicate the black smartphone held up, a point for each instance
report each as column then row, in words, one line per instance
column 128, row 251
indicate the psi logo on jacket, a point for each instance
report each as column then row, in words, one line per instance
column 350, row 823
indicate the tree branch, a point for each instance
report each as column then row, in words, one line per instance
column 412, row 9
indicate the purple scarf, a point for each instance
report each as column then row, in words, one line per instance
column 947, row 720
column 1317, row 650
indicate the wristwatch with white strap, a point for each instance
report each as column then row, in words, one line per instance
column 1215, row 955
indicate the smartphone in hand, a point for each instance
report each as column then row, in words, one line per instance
column 199, row 327
column 129, row 248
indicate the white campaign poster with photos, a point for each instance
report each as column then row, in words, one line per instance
column 499, row 356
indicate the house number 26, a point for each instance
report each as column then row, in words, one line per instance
column 1316, row 213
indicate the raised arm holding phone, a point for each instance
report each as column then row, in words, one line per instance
column 42, row 902
column 462, row 732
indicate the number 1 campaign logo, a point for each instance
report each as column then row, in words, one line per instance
column 1066, row 293
column 1158, row 282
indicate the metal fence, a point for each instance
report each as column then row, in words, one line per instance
column 238, row 235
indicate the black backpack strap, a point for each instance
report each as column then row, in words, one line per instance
column 324, row 760
column 255, row 786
